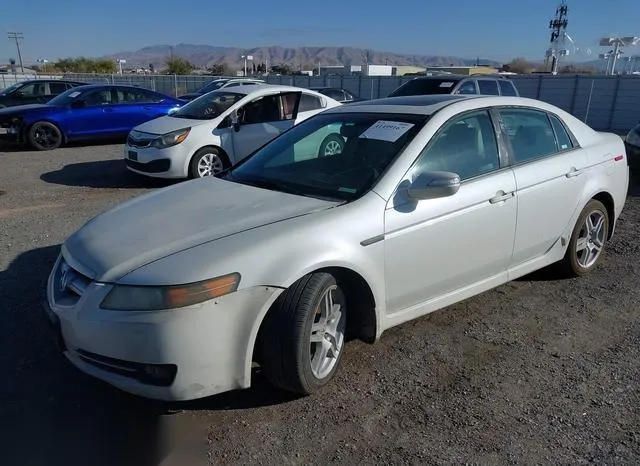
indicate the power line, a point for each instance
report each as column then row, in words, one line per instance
column 17, row 36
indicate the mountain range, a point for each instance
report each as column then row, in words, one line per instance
column 297, row 58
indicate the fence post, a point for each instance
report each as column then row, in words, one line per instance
column 586, row 115
column 539, row 90
column 379, row 86
column 153, row 83
column 359, row 86
column 614, row 102
column 175, row 85
column 575, row 92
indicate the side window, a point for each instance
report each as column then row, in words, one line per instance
column 232, row 84
column 102, row 97
column 308, row 103
column 468, row 87
column 262, row 110
column 466, row 145
column 126, row 96
column 488, row 87
column 57, row 88
column 28, row 91
column 530, row 133
column 336, row 94
column 507, row 88
column 564, row 141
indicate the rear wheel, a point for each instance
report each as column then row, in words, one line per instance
column 44, row 136
column 587, row 240
column 303, row 336
column 207, row 161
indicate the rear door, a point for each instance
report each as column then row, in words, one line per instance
column 262, row 119
column 548, row 167
column 135, row 106
column 53, row 89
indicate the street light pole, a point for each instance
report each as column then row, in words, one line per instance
column 17, row 36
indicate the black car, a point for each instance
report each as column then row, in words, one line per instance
column 337, row 93
column 632, row 144
column 485, row 84
column 34, row 91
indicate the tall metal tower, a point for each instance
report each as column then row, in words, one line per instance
column 558, row 26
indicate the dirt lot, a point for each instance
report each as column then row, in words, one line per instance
column 538, row 371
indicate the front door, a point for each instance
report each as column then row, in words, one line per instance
column 263, row 119
column 440, row 247
column 96, row 117
column 549, row 179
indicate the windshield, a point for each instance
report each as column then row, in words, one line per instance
column 329, row 156
column 208, row 106
column 212, row 86
column 66, row 97
column 10, row 89
column 425, row 87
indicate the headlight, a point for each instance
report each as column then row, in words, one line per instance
column 155, row 298
column 633, row 138
column 172, row 138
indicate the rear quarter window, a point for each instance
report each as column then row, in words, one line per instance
column 507, row 88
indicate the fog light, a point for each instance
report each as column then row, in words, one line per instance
column 158, row 374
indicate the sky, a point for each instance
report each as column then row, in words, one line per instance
column 490, row 29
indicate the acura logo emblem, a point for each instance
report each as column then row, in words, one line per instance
column 65, row 277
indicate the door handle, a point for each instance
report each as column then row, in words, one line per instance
column 573, row 172
column 107, row 110
column 501, row 196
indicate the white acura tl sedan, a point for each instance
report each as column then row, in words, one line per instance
column 178, row 293
column 222, row 127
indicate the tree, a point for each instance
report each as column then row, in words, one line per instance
column 519, row 65
column 177, row 65
column 219, row 69
column 282, row 68
column 86, row 65
column 577, row 69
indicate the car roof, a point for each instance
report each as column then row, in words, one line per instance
column 265, row 89
column 417, row 104
column 119, row 86
column 48, row 80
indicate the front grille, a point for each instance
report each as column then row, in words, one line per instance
column 161, row 375
column 68, row 284
column 155, row 166
column 138, row 143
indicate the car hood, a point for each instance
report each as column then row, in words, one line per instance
column 25, row 108
column 166, row 124
column 170, row 220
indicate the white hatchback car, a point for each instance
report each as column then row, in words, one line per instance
column 220, row 128
column 177, row 293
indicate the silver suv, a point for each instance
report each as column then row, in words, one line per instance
column 458, row 84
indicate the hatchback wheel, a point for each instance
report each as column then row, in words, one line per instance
column 207, row 161
column 44, row 136
column 331, row 145
column 303, row 336
column 587, row 240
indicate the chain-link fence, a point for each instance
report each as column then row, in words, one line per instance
column 607, row 103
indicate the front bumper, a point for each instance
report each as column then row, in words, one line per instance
column 10, row 134
column 157, row 163
column 181, row 354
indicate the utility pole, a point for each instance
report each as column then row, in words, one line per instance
column 17, row 36
column 558, row 27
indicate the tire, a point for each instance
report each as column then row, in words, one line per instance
column 586, row 248
column 289, row 358
column 43, row 135
column 331, row 145
column 218, row 162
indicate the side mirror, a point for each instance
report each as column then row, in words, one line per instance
column 235, row 122
column 433, row 185
column 78, row 104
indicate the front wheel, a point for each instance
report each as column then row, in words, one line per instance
column 303, row 336
column 587, row 240
column 44, row 136
column 331, row 145
column 207, row 161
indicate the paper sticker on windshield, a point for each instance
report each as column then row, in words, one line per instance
column 386, row 130
column 74, row 94
column 446, row 84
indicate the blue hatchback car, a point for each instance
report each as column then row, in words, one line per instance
column 94, row 111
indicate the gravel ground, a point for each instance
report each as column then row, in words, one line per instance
column 538, row 371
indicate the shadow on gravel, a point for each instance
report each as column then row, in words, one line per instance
column 102, row 174
column 53, row 414
column 11, row 147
